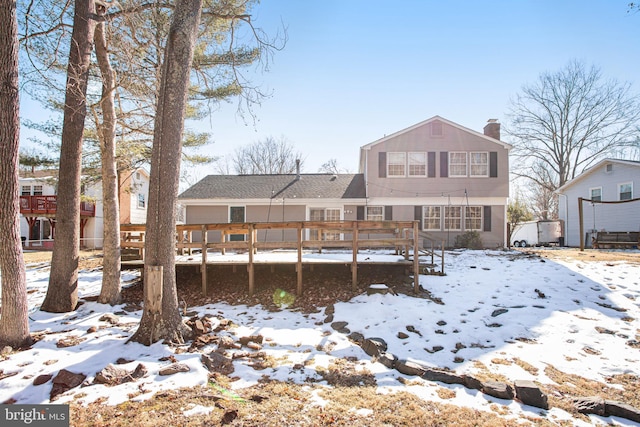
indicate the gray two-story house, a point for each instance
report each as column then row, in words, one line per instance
column 448, row 177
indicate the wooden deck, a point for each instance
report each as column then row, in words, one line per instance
column 201, row 245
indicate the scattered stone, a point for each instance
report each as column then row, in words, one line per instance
column 498, row 389
column 498, row 312
column 374, row 346
column 540, row 293
column 441, row 323
column 590, row 350
column 356, row 337
column 439, row 331
column 339, row 325
column 389, row 360
column 69, row 342
column 472, row 382
column 409, row 367
column 622, row 410
column 216, row 362
column 402, row 335
column 65, row 381
column 229, row 416
column 228, row 342
column 602, row 330
column 254, row 346
column 92, row 330
column 589, row 405
column 458, row 359
column 112, row 375
column 633, row 343
column 330, row 309
column 258, row 339
column 442, row 376
column 328, row 319
column 110, row 318
column 435, row 349
column 42, row 379
column 174, row 369
column 530, row 394
column 494, row 325
column 412, row 328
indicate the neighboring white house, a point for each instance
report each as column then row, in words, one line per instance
column 38, row 206
column 610, row 180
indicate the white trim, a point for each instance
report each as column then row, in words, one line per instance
column 591, row 192
column 595, row 168
column 470, row 166
column 404, row 164
column 426, row 164
column 466, row 164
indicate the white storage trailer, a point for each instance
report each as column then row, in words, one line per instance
column 537, row 233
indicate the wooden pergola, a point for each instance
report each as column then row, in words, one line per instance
column 403, row 236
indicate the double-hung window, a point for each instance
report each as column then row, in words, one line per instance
column 396, row 164
column 457, row 164
column 453, row 217
column 417, row 164
column 375, row 213
column 625, row 191
column 596, row 194
column 479, row 164
column 432, row 217
column 141, row 201
column 473, row 218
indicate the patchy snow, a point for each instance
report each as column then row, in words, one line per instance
column 497, row 307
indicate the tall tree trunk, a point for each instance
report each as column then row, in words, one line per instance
column 62, row 293
column 161, row 320
column 110, row 291
column 14, row 321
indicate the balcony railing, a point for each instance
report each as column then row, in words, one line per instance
column 47, row 205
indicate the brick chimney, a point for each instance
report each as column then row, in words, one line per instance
column 492, row 129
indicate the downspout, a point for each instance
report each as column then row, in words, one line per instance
column 565, row 226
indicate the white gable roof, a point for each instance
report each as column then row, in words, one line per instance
column 594, row 168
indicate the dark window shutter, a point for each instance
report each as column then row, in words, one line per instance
column 431, row 164
column 417, row 215
column 493, row 164
column 360, row 213
column 382, row 164
column 388, row 213
column 444, row 164
column 487, row 218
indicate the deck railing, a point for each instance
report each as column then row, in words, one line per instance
column 48, row 205
column 296, row 235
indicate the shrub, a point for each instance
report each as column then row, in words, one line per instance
column 469, row 240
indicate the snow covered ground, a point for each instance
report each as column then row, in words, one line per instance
column 577, row 316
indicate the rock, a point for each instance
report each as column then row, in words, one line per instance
column 112, row 375
column 590, row 350
column 498, row 389
column 498, row 312
column 622, row 410
column 472, row 382
column 441, row 323
column 258, row 339
column 442, row 376
column 530, row 394
column 229, row 416
column 435, row 349
column 408, row 367
column 374, row 346
column 330, row 309
column 216, row 362
column 339, row 326
column 92, row 330
column 633, row 343
column 328, row 319
column 402, row 335
column 389, row 360
column 123, row 361
column 411, row 328
column 174, row 369
column 602, row 330
column 64, row 381
column 42, row 379
column 589, row 405
column 110, row 318
column 228, row 342
column 356, row 337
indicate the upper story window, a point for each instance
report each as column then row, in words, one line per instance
column 396, row 164
column 26, row 190
column 479, row 163
column 625, row 191
column 596, row 194
column 457, row 163
column 37, row 190
column 375, row 213
column 137, row 176
column 417, row 164
column 141, row 201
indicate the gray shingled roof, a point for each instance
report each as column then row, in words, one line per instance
column 307, row 186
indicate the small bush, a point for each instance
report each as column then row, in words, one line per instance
column 469, row 240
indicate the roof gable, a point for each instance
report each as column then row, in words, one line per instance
column 595, row 168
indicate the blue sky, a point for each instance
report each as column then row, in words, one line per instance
column 354, row 70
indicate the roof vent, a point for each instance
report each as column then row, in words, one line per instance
column 609, row 168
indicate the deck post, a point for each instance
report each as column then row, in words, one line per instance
column 580, row 217
column 250, row 266
column 299, row 264
column 416, row 258
column 203, row 268
column 354, row 262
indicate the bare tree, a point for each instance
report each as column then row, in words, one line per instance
column 62, row 292
column 569, row 120
column 161, row 319
column 332, row 166
column 14, row 321
column 269, row 156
